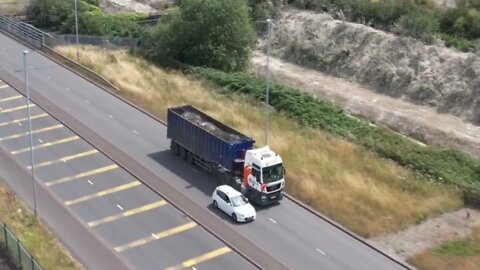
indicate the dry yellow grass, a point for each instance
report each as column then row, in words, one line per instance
column 44, row 247
column 461, row 255
column 367, row 194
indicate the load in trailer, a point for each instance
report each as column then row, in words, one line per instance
column 202, row 140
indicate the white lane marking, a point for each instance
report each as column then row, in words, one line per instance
column 323, row 253
column 193, row 268
column 20, row 124
column 119, row 207
column 272, row 220
column 134, row 131
column 90, row 182
column 154, row 235
column 111, row 116
column 40, row 141
column 68, row 89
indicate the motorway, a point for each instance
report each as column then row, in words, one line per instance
column 291, row 234
column 131, row 219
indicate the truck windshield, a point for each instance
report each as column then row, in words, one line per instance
column 239, row 201
column 272, row 173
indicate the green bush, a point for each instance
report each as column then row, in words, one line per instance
column 434, row 163
column 419, row 25
column 212, row 33
column 49, row 13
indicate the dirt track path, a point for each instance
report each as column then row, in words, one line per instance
column 419, row 122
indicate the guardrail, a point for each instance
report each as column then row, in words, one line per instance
column 23, row 31
column 16, row 251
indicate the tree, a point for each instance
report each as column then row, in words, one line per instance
column 49, row 13
column 212, row 33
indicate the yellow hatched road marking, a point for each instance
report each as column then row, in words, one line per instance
column 26, row 149
column 80, row 175
column 103, row 193
column 127, row 213
column 64, row 159
column 33, row 132
column 156, row 236
column 205, row 257
column 16, row 108
column 10, row 98
column 23, row 119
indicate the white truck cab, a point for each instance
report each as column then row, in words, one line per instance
column 263, row 177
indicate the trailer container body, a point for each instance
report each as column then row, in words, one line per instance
column 207, row 138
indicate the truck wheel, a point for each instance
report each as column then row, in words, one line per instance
column 174, row 148
column 190, row 158
column 183, row 153
column 225, row 179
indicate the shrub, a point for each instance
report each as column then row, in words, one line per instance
column 213, row 33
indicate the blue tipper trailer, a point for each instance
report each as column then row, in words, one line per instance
column 200, row 139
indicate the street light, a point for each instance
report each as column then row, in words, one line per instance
column 25, row 69
column 270, row 24
column 76, row 29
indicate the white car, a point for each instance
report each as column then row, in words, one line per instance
column 233, row 203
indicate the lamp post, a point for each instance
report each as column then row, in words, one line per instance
column 25, row 69
column 76, row 29
column 270, row 24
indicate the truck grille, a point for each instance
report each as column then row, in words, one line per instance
column 274, row 187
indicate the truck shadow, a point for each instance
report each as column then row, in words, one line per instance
column 195, row 176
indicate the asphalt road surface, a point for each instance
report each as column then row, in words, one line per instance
column 291, row 234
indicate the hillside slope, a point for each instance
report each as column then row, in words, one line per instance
column 397, row 66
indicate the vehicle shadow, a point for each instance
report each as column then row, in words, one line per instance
column 225, row 217
column 194, row 175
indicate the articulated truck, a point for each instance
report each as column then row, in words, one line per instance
column 199, row 139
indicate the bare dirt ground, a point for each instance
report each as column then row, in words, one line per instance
column 428, row 234
column 417, row 121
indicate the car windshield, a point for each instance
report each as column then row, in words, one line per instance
column 272, row 173
column 239, row 200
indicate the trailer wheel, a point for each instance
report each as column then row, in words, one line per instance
column 174, row 148
column 183, row 153
column 190, row 158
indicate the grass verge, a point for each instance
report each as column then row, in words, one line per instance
column 367, row 194
column 458, row 254
column 43, row 246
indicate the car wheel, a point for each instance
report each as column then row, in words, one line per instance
column 234, row 217
column 215, row 205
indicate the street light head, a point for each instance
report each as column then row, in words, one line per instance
column 25, row 52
